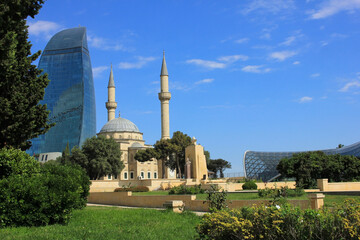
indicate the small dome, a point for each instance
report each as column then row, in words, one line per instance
column 136, row 145
column 119, row 125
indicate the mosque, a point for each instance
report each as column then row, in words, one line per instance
column 130, row 140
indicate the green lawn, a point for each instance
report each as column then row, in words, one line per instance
column 113, row 223
column 329, row 199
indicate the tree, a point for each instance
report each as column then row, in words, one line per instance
column 180, row 142
column 171, row 152
column 21, row 83
column 207, row 156
column 340, row 145
column 99, row 157
column 307, row 167
column 218, row 165
column 146, row 155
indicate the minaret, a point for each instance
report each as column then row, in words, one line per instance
column 111, row 104
column 164, row 97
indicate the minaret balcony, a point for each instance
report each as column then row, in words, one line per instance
column 164, row 96
column 111, row 105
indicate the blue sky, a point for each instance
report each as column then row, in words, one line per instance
column 266, row 75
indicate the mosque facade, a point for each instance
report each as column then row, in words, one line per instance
column 130, row 139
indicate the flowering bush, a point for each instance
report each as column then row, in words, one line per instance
column 283, row 222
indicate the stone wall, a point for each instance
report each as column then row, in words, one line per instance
column 191, row 203
column 324, row 185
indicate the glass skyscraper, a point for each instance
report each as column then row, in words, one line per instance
column 70, row 95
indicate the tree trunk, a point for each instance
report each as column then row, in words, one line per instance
column 178, row 166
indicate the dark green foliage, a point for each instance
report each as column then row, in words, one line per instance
column 74, row 178
column 249, row 185
column 280, row 192
column 33, row 196
column 308, row 166
column 216, row 199
column 99, row 157
column 14, row 161
column 170, row 151
column 146, row 155
column 21, row 83
column 218, row 165
column 186, row 190
column 132, row 189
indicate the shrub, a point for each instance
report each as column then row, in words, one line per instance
column 186, row 190
column 34, row 196
column 75, row 179
column 249, row 185
column 283, row 222
column 216, row 199
column 280, row 192
column 132, row 189
column 15, row 161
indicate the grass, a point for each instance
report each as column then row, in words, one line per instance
column 113, row 223
column 329, row 199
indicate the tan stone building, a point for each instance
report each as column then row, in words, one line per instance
column 130, row 140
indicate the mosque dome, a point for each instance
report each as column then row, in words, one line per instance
column 137, row 145
column 119, row 125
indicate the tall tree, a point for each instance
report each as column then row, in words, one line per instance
column 218, row 165
column 99, row 157
column 171, row 152
column 21, row 83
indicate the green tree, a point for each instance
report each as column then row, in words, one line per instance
column 171, row 152
column 207, row 156
column 21, row 83
column 99, row 157
column 307, row 167
column 218, row 165
column 146, row 155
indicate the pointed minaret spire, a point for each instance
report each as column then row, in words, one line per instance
column 111, row 104
column 111, row 78
column 164, row 97
column 164, row 71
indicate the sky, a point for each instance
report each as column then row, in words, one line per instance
column 261, row 75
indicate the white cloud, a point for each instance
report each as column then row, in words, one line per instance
column 305, row 99
column 242, row 40
column 282, row 55
column 296, row 63
column 222, row 62
column 155, row 82
column 141, row 61
column 314, row 75
column 44, row 29
column 98, row 70
column 353, row 84
column 255, row 69
column 273, row 6
column 288, row 41
column 105, row 44
column 206, row 64
column 324, row 43
column 233, row 58
column 333, row 7
column 206, row 80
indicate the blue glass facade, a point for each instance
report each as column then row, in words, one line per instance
column 262, row 165
column 70, row 95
